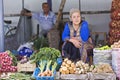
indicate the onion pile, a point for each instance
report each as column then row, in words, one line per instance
column 6, row 63
column 115, row 15
column 114, row 32
column 115, row 24
column 115, row 5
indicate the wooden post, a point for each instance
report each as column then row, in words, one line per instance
column 60, row 13
column 54, row 34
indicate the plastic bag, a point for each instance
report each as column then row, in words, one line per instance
column 25, row 52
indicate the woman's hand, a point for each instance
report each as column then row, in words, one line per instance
column 77, row 43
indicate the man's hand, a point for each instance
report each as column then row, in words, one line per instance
column 25, row 13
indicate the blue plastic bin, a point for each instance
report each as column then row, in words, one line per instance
column 35, row 75
column 37, row 70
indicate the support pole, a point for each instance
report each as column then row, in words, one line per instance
column 24, row 22
column 80, row 5
column 1, row 27
column 50, row 4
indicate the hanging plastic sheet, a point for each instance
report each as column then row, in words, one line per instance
column 23, row 34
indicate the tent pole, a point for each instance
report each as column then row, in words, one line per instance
column 80, row 5
column 1, row 27
column 24, row 22
column 50, row 4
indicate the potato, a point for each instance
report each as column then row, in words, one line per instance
column 69, row 62
column 67, row 72
column 63, row 63
column 72, row 65
column 66, row 59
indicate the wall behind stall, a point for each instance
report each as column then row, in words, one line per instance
column 12, row 7
column 98, row 22
column 33, row 5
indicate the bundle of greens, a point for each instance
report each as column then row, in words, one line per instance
column 47, row 59
column 40, row 42
column 47, row 54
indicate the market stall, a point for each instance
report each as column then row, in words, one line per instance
column 39, row 61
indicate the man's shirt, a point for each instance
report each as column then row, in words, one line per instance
column 46, row 22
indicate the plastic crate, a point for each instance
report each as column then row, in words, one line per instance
column 26, row 67
column 36, row 72
column 74, row 77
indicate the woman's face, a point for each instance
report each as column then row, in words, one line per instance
column 76, row 18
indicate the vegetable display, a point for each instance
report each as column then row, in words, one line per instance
column 40, row 43
column 67, row 67
column 83, row 68
column 47, row 54
column 116, row 44
column 7, row 62
column 79, row 67
column 106, row 47
column 46, row 71
column 114, row 31
column 46, row 58
column 102, row 68
column 20, row 76
column 115, row 5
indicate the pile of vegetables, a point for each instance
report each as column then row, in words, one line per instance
column 106, row 47
column 46, row 71
column 46, row 59
column 115, row 15
column 45, row 53
column 67, row 67
column 114, row 32
column 116, row 45
column 83, row 68
column 114, row 24
column 19, row 76
column 102, row 68
column 115, row 5
column 40, row 43
column 7, row 62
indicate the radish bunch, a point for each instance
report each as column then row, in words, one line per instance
column 6, row 63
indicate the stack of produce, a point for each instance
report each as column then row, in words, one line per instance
column 46, row 59
column 46, row 71
column 102, row 54
column 102, row 68
column 83, row 68
column 114, row 32
column 67, row 67
column 116, row 45
column 7, row 62
column 45, row 53
column 116, row 58
column 15, row 76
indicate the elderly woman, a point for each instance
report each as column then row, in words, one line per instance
column 76, row 37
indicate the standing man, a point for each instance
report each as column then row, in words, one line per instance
column 46, row 18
